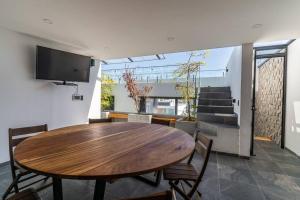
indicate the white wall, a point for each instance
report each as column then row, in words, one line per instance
column 213, row 81
column 125, row 104
column 234, row 77
column 246, row 99
column 292, row 129
column 166, row 89
column 25, row 101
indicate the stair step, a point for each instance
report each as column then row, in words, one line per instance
column 229, row 119
column 215, row 109
column 215, row 95
column 216, row 102
column 214, row 89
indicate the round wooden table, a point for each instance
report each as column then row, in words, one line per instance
column 102, row 152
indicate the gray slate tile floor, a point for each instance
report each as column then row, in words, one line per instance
column 273, row 174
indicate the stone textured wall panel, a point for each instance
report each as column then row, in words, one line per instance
column 268, row 114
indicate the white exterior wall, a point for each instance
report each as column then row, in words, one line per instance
column 25, row 101
column 292, row 129
column 246, row 99
column 124, row 104
column 234, row 77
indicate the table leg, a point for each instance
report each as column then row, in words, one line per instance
column 99, row 189
column 57, row 189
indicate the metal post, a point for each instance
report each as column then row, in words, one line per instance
column 57, row 189
column 99, row 189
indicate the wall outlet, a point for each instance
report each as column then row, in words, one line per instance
column 77, row 97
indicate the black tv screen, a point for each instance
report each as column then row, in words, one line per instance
column 59, row 65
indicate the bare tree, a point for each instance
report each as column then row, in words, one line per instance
column 134, row 92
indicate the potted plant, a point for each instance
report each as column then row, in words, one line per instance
column 137, row 95
column 188, row 91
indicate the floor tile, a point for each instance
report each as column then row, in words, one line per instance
column 262, row 165
column 237, row 175
column 285, row 158
column 232, row 161
column 278, row 194
column 291, row 170
column 276, row 181
column 240, row 191
column 273, row 174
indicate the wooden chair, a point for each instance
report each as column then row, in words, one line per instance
column 186, row 172
column 161, row 121
column 167, row 195
column 103, row 120
column 28, row 194
column 19, row 174
column 139, row 118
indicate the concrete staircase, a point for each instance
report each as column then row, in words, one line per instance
column 217, row 120
column 215, row 106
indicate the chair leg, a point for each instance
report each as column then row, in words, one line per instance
column 183, row 189
column 173, row 194
column 14, row 185
column 14, row 176
column 177, row 189
column 199, row 193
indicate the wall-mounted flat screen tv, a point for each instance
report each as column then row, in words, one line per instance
column 59, row 65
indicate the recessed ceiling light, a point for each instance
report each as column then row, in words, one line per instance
column 255, row 26
column 170, row 39
column 47, row 21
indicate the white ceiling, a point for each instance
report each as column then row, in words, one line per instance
column 123, row 28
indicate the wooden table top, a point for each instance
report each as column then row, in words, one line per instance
column 108, row 150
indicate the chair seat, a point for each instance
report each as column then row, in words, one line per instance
column 181, row 171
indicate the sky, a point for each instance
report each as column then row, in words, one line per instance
column 150, row 67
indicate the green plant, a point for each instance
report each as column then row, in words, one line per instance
column 188, row 88
column 107, row 100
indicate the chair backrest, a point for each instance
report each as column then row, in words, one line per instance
column 160, row 121
column 103, row 120
column 203, row 146
column 167, row 195
column 139, row 118
column 17, row 135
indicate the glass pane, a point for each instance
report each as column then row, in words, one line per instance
column 259, row 62
column 181, row 110
column 280, row 42
column 160, row 106
column 182, row 107
column 272, row 51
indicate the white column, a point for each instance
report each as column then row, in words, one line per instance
column 95, row 108
column 246, row 99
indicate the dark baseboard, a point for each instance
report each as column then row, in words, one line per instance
column 232, row 154
column 292, row 152
column 4, row 164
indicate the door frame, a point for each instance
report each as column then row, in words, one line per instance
column 284, row 87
